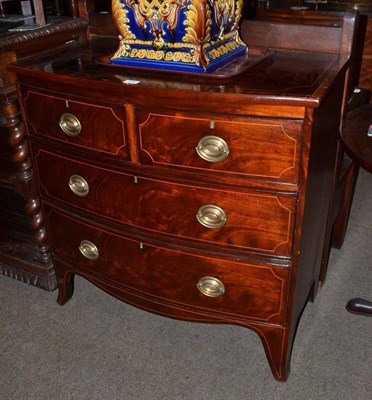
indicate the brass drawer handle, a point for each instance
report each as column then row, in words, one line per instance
column 211, row 287
column 212, row 149
column 211, row 216
column 78, row 185
column 89, row 250
column 70, row 124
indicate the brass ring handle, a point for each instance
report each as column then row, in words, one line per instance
column 212, row 148
column 70, row 124
column 78, row 185
column 211, row 216
column 211, row 287
column 89, row 250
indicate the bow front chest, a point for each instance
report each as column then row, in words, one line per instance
column 191, row 197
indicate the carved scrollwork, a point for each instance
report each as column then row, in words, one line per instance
column 157, row 14
column 198, row 28
column 120, row 16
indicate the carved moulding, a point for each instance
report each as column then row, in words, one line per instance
column 181, row 35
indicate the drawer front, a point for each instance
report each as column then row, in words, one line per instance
column 94, row 126
column 262, row 222
column 249, row 290
column 249, row 148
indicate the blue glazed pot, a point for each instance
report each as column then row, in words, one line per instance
column 181, row 35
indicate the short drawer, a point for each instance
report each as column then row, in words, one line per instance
column 257, row 292
column 95, row 126
column 249, row 220
column 243, row 147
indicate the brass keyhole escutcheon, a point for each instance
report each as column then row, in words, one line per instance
column 212, row 149
column 89, row 250
column 211, row 216
column 70, row 124
column 78, row 185
column 210, row 286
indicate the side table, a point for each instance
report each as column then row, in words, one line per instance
column 356, row 137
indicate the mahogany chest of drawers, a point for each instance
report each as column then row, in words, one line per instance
column 197, row 199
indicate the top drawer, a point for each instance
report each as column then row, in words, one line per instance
column 236, row 147
column 94, row 126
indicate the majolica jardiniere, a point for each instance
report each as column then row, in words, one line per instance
column 182, row 35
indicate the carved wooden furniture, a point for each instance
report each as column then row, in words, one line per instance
column 24, row 252
column 194, row 198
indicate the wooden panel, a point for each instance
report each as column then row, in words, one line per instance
column 258, row 149
column 291, row 36
column 365, row 80
column 258, row 221
column 102, row 125
column 252, row 291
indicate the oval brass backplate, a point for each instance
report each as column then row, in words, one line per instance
column 211, row 216
column 212, row 149
column 70, row 124
column 210, row 286
column 78, row 185
column 89, row 250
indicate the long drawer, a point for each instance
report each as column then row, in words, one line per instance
column 258, row 221
column 254, row 291
column 95, row 126
column 251, row 148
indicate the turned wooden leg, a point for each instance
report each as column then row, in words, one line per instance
column 33, row 209
column 25, row 184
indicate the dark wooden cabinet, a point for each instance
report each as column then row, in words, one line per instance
column 24, row 251
column 192, row 197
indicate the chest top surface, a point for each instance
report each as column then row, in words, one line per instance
column 286, row 77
